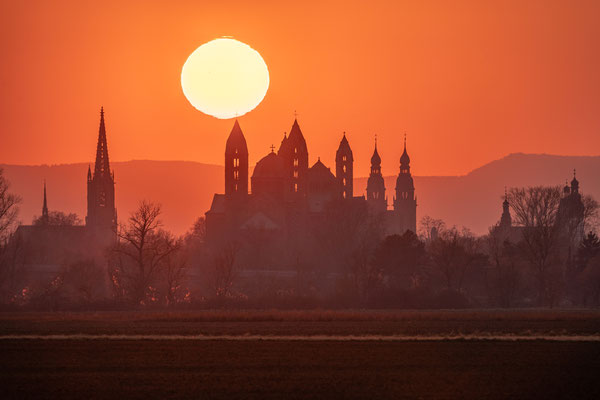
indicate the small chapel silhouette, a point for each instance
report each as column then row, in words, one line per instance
column 287, row 197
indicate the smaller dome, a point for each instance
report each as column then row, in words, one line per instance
column 270, row 166
column 567, row 189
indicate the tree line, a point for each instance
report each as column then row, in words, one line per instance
column 543, row 260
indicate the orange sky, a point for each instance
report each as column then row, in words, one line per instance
column 468, row 81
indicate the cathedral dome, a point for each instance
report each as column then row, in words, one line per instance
column 270, row 166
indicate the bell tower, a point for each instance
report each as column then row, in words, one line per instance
column 343, row 168
column 376, row 185
column 405, row 202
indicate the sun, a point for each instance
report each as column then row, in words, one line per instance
column 225, row 78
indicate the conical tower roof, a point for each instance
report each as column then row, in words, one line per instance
column 102, row 165
column 236, row 140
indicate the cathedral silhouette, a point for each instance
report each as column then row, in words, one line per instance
column 287, row 196
column 50, row 245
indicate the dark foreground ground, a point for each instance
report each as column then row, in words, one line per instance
column 265, row 369
column 285, row 370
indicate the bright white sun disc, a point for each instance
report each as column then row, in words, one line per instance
column 225, row 78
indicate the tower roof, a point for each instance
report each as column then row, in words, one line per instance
column 404, row 158
column 102, row 165
column 236, row 140
column 296, row 138
column 375, row 159
column 344, row 148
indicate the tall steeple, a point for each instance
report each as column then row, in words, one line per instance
column 405, row 203
column 102, row 165
column 236, row 163
column 101, row 211
column 376, row 185
column 45, row 216
column 344, row 168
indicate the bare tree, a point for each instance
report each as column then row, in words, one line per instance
column 453, row 254
column 536, row 210
column 427, row 225
column 503, row 281
column 174, row 276
column 225, row 268
column 140, row 253
column 8, row 208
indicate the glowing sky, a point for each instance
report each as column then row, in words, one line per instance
column 468, row 82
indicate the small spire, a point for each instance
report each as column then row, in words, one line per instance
column 574, row 173
column 318, row 158
column 405, row 141
column 272, row 148
column 295, row 115
column 375, row 141
column 45, row 206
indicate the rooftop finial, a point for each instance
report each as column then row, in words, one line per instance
column 574, row 173
column 376, row 141
column 404, row 140
column 272, row 148
column 295, row 115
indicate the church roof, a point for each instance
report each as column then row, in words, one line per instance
column 218, row 204
column 270, row 166
column 236, row 140
column 320, row 171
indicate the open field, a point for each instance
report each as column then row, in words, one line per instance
column 281, row 369
column 129, row 367
column 411, row 323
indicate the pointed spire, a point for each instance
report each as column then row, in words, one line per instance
column 45, row 206
column 102, row 165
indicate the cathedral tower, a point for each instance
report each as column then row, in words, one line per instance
column 236, row 164
column 375, row 185
column 405, row 202
column 101, row 211
column 344, row 168
column 294, row 153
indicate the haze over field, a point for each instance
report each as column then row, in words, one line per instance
column 185, row 189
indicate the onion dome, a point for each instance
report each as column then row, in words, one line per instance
column 566, row 189
column 404, row 158
column 375, row 159
column 574, row 183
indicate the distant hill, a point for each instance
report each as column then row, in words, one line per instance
column 185, row 189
